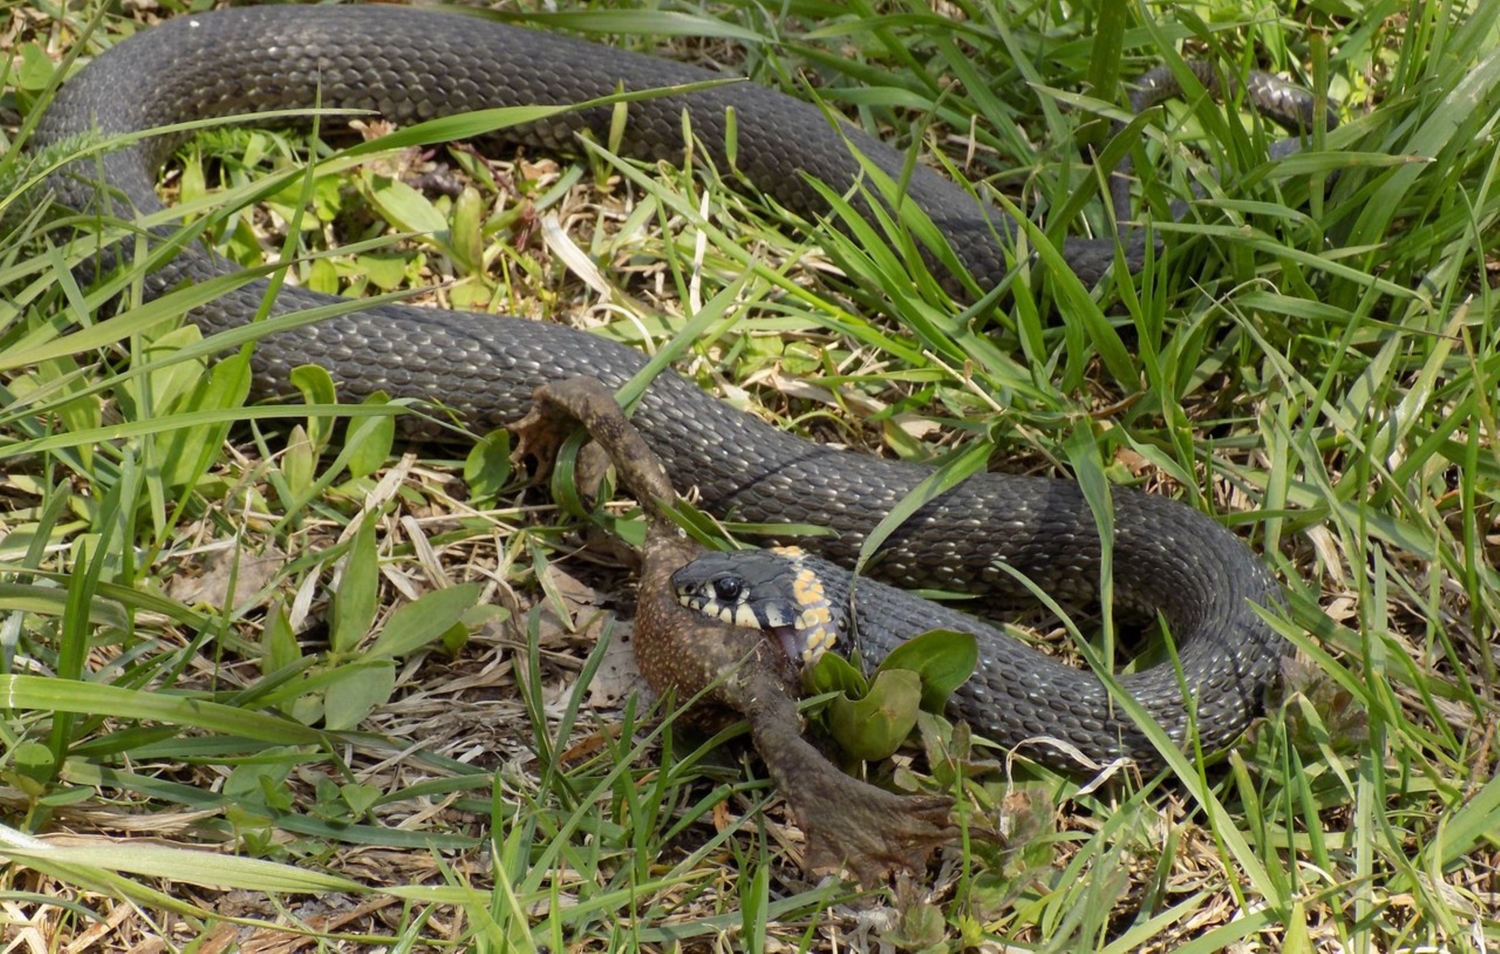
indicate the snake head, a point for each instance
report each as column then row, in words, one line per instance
column 773, row 591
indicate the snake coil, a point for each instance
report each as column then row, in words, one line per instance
column 410, row 64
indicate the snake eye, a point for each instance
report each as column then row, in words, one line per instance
column 728, row 588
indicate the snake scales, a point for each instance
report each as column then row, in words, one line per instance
column 410, row 65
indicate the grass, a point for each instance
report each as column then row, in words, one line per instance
column 267, row 685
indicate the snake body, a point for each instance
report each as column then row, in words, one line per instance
column 812, row 606
column 410, row 65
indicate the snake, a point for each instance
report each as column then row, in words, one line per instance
column 994, row 537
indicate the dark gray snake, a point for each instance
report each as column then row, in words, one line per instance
column 412, row 65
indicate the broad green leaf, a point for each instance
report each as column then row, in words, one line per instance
column 317, row 388
column 356, row 689
column 418, row 623
column 34, row 760
column 323, row 276
column 407, row 209
column 874, row 727
column 279, row 642
column 943, row 659
column 157, row 391
column 466, row 231
column 35, row 68
column 298, row 463
column 260, row 783
column 487, row 469
column 79, row 413
column 189, row 451
column 355, row 599
column 386, row 272
column 359, row 798
column 834, row 673
column 370, row 439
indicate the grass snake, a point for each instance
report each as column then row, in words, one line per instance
column 411, row 65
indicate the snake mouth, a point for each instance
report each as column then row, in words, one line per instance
column 791, row 641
